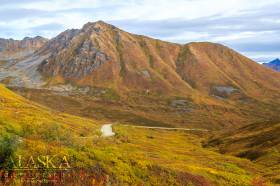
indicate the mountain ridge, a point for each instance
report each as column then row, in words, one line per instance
column 132, row 70
column 94, row 37
column 15, row 49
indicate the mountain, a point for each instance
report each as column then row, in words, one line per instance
column 100, row 54
column 14, row 49
column 102, row 71
column 275, row 64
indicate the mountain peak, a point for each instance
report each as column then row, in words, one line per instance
column 97, row 26
column 100, row 22
column 35, row 39
column 276, row 61
column 275, row 64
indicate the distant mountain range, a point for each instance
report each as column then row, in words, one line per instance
column 275, row 64
column 14, row 49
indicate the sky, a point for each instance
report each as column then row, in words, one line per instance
column 251, row 27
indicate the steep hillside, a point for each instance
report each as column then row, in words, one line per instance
column 275, row 64
column 29, row 120
column 258, row 142
column 216, row 69
column 133, row 157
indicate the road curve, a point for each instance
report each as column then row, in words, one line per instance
column 107, row 130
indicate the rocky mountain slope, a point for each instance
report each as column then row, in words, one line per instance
column 275, row 64
column 102, row 55
column 15, row 49
column 198, row 81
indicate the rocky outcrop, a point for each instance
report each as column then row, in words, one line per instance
column 73, row 54
column 100, row 54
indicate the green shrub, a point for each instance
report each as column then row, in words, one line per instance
column 8, row 146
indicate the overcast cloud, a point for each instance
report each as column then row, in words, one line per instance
column 249, row 26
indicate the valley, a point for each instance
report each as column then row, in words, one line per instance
column 130, row 110
column 132, row 156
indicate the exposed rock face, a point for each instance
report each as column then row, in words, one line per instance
column 102, row 55
column 14, row 49
column 80, row 61
column 74, row 54
column 275, row 64
column 18, row 64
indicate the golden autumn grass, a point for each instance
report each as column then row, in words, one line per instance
column 133, row 157
column 18, row 114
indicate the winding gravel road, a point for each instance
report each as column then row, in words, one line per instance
column 167, row 128
column 107, row 130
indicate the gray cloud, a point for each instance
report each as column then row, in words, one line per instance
column 11, row 2
column 254, row 31
column 11, row 14
column 48, row 27
column 215, row 25
column 262, row 25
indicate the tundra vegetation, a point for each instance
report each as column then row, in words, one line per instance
column 134, row 156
